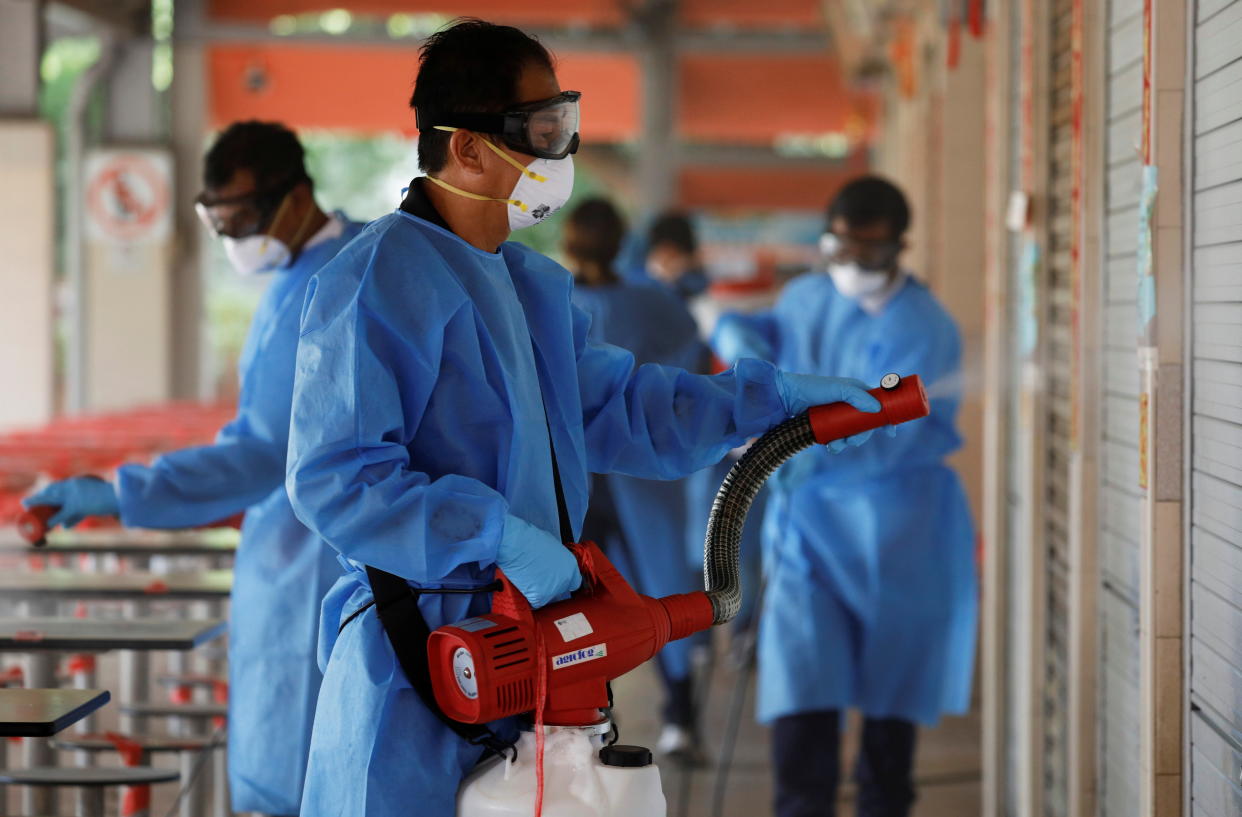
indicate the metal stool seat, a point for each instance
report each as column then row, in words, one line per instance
column 93, row 781
column 152, row 709
column 150, row 744
column 191, row 680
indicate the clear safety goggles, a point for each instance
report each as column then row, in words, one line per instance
column 547, row 128
column 242, row 215
column 869, row 255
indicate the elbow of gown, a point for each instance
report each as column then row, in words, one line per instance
column 379, row 513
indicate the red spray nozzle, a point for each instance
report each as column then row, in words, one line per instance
column 901, row 399
column 32, row 524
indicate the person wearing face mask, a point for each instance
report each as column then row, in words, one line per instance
column 258, row 200
column 673, row 255
column 879, row 553
column 448, row 407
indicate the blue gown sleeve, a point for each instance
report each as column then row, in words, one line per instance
column 203, row 484
column 660, row 422
column 361, row 389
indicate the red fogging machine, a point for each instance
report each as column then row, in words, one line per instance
column 557, row 661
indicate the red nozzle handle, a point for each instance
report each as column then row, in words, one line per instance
column 901, row 399
column 32, row 524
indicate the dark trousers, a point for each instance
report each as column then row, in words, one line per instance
column 806, row 754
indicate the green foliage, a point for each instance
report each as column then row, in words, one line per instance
column 361, row 175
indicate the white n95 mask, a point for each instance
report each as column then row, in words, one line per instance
column 255, row 253
column 853, row 281
column 542, row 188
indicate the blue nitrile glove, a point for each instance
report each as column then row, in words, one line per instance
column 800, row 392
column 539, row 566
column 77, row 498
column 733, row 340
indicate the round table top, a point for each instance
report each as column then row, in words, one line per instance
column 88, row 776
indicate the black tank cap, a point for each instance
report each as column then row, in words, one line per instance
column 629, row 757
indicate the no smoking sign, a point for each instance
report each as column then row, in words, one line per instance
column 128, row 196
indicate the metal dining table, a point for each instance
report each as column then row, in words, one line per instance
column 44, row 637
column 41, row 713
column 57, row 634
column 40, row 590
column 60, row 584
column 127, row 543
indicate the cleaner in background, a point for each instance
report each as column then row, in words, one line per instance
column 448, row 408
column 259, row 201
column 638, row 521
column 876, row 545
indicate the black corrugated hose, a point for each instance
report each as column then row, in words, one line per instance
column 721, row 574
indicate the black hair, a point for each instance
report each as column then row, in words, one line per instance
column 593, row 235
column 675, row 229
column 268, row 150
column 869, row 200
column 471, row 66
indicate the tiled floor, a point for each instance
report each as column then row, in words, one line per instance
column 948, row 759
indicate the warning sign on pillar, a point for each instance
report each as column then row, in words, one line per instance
column 128, row 197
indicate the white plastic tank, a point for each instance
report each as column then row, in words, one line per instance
column 577, row 783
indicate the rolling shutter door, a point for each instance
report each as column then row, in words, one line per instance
column 1215, row 725
column 1120, row 501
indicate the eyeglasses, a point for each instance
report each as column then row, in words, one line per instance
column 244, row 214
column 547, row 128
column 870, row 255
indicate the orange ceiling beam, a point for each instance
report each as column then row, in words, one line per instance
column 602, row 13
column 752, row 98
column 368, row 90
column 752, row 13
column 727, row 99
column 532, row 12
column 737, row 188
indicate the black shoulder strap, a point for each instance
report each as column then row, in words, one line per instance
column 562, row 509
column 396, row 604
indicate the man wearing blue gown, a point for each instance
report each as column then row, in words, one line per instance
column 259, row 201
column 877, row 545
column 446, row 388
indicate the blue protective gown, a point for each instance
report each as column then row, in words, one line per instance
column 419, row 429
column 654, row 325
column 876, row 544
column 282, row 570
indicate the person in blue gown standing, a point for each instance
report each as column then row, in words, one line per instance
column 879, row 554
column 641, row 522
column 449, row 405
column 259, row 200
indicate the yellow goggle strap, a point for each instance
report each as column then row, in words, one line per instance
column 526, row 171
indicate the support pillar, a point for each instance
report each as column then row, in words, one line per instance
column 657, row 151
column 189, row 127
column 27, row 222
